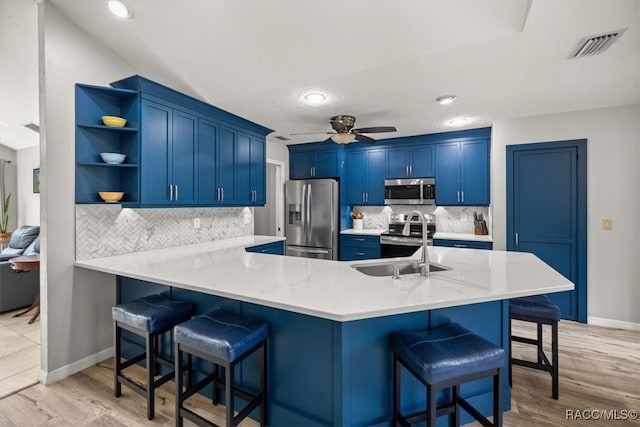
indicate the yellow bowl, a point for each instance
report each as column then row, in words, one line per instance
column 114, row 121
column 111, row 196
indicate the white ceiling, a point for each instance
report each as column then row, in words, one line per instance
column 384, row 62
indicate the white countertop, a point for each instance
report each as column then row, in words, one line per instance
column 462, row 236
column 333, row 289
column 364, row 231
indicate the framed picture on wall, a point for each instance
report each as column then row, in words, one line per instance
column 36, row 180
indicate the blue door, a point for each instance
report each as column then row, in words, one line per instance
column 157, row 130
column 184, row 161
column 546, row 213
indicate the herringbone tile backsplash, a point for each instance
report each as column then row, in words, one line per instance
column 107, row 230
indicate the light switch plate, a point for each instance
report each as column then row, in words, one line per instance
column 196, row 222
column 607, row 224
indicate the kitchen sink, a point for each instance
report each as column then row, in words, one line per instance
column 386, row 268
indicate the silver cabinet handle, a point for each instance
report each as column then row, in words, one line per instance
column 363, row 197
column 367, row 197
column 360, row 253
column 462, row 196
column 219, row 194
column 222, row 193
column 176, row 192
column 410, row 170
column 170, row 192
column 359, row 239
column 517, row 239
column 458, row 196
column 406, row 170
column 460, row 246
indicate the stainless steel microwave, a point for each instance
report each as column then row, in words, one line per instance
column 412, row 191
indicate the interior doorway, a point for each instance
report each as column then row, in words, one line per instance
column 547, row 213
column 269, row 220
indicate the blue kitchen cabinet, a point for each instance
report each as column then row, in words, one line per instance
column 365, row 177
column 462, row 173
column 93, row 138
column 251, row 170
column 410, row 162
column 469, row 244
column 357, row 247
column 275, row 248
column 305, row 164
column 169, row 162
column 217, row 159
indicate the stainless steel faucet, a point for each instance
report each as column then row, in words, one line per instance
column 424, row 262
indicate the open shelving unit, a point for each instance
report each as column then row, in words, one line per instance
column 93, row 138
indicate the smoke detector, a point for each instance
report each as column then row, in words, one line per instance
column 594, row 45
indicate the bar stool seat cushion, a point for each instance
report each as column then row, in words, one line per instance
column 152, row 314
column 447, row 352
column 537, row 306
column 221, row 334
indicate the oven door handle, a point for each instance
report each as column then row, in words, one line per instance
column 401, row 241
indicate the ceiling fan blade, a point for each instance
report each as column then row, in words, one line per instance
column 312, row 133
column 375, row 129
column 364, row 138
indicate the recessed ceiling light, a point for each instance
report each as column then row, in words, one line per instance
column 459, row 121
column 445, row 99
column 315, row 97
column 119, row 9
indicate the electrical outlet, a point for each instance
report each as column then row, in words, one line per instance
column 196, row 222
column 607, row 224
column 463, row 217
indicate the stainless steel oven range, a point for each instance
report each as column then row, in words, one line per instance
column 394, row 244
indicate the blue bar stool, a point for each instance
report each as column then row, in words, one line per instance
column 224, row 339
column 540, row 310
column 446, row 357
column 147, row 317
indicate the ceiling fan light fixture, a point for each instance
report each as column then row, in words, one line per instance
column 459, row 121
column 343, row 138
column 119, row 9
column 315, row 97
column 445, row 99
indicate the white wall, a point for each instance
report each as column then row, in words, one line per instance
column 613, row 180
column 278, row 151
column 28, row 159
column 77, row 303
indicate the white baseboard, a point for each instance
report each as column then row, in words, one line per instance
column 77, row 366
column 612, row 323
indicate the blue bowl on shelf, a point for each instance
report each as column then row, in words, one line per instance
column 112, row 158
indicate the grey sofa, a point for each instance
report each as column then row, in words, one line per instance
column 18, row 289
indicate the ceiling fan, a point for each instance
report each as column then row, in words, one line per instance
column 344, row 132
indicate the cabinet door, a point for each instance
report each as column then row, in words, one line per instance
column 422, row 162
column 326, row 165
column 397, row 164
column 300, row 165
column 258, row 171
column 375, row 178
column 475, row 172
column 355, row 177
column 207, row 143
column 184, row 148
column 226, row 170
column 156, row 162
column 243, row 169
column 447, row 174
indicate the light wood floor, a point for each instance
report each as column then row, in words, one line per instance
column 599, row 370
column 19, row 352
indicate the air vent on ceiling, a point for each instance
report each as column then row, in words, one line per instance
column 282, row 138
column 595, row 45
column 34, row 127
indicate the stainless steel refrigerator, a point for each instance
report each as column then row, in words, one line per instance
column 312, row 221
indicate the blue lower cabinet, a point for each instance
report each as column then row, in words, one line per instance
column 353, row 248
column 349, row 363
column 276, row 248
column 468, row 244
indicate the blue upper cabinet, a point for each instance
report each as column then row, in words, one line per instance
column 365, row 177
column 410, row 162
column 314, row 161
column 93, row 137
column 217, row 160
column 191, row 153
column 251, row 170
column 169, row 161
column 462, row 173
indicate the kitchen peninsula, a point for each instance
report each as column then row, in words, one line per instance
column 329, row 362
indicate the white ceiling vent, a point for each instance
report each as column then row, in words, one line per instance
column 595, row 45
